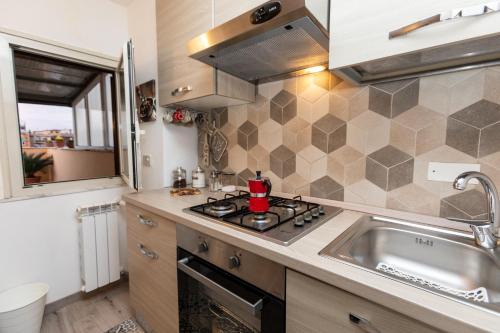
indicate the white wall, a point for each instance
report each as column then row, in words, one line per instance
column 97, row 25
column 39, row 241
column 38, row 237
column 168, row 145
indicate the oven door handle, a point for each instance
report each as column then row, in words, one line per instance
column 251, row 308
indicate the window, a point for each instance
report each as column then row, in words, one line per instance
column 66, row 120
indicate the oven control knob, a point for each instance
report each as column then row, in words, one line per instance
column 299, row 221
column 203, row 247
column 321, row 210
column 308, row 217
column 315, row 212
column 234, row 261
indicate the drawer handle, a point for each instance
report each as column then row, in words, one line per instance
column 145, row 221
column 362, row 323
column 147, row 252
column 181, row 90
column 476, row 10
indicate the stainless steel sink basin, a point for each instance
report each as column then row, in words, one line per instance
column 439, row 260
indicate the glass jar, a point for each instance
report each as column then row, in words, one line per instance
column 179, row 178
column 198, row 176
column 214, row 181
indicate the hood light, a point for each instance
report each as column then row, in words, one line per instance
column 315, row 69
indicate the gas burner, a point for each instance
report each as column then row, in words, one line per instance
column 291, row 204
column 221, row 208
column 260, row 218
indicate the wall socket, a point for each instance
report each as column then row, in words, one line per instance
column 146, row 160
column 447, row 172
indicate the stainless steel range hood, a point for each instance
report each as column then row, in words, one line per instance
column 276, row 40
column 463, row 55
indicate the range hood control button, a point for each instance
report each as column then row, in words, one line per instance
column 266, row 12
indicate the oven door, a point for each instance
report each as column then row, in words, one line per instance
column 212, row 300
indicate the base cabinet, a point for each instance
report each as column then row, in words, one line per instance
column 315, row 307
column 152, row 264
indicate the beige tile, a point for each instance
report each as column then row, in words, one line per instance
column 467, row 92
column 368, row 132
column 492, row 85
column 369, row 193
column 259, row 157
column 348, row 101
column 270, row 135
column 320, row 108
column 275, row 180
column 290, row 85
column 307, row 89
column 270, row 89
column 297, row 134
column 305, row 110
column 237, row 115
column 293, row 183
column 259, row 111
column 237, row 158
column 311, row 163
column 412, row 198
column 346, row 166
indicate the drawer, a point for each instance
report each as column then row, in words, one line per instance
column 315, row 307
column 148, row 227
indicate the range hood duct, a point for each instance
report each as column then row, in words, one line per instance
column 277, row 40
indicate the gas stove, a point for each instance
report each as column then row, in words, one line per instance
column 285, row 221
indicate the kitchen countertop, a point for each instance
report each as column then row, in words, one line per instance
column 302, row 256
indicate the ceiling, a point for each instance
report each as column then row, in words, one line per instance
column 42, row 80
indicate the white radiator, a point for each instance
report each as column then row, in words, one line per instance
column 99, row 247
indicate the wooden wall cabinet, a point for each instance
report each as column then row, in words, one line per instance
column 152, row 265
column 360, row 29
column 186, row 81
column 315, row 307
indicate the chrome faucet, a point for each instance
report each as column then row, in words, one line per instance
column 485, row 232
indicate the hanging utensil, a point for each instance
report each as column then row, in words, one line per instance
column 218, row 144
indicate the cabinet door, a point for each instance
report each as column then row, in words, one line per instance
column 315, row 307
column 226, row 10
column 360, row 29
column 177, row 23
column 152, row 265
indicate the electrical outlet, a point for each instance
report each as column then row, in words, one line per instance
column 447, row 172
column 146, row 160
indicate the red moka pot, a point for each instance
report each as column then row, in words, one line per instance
column 260, row 188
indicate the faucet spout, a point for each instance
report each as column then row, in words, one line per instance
column 486, row 234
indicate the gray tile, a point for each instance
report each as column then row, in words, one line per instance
column 465, row 205
column 479, row 114
column 393, row 98
column 282, row 161
column 248, row 135
column 389, row 168
column 220, row 116
column 283, row 107
column 327, row 188
column 329, row 133
column 475, row 129
column 242, row 177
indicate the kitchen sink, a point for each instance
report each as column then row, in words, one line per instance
column 438, row 260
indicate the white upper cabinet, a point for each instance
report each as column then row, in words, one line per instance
column 360, row 29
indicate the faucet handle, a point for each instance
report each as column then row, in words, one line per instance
column 483, row 231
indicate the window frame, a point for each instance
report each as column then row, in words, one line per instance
column 11, row 168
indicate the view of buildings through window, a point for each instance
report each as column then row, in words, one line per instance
column 66, row 120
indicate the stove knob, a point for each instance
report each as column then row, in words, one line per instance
column 299, row 221
column 321, row 210
column 203, row 247
column 315, row 212
column 234, row 261
column 308, row 217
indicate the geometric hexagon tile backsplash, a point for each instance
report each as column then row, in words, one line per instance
column 318, row 135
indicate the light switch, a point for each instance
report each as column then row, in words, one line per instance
column 146, row 160
column 447, row 172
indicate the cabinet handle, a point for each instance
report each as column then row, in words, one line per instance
column 476, row 10
column 147, row 252
column 181, row 90
column 363, row 324
column 145, row 221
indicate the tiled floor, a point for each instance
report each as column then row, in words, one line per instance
column 96, row 314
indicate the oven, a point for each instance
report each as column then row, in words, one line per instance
column 225, row 289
